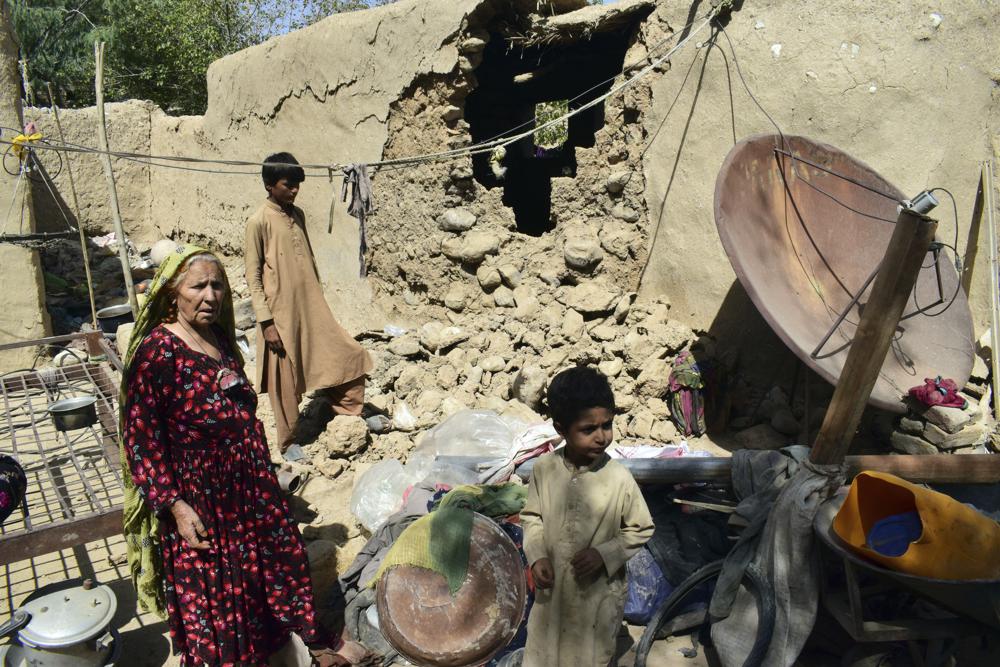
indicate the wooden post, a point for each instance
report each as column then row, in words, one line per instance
column 988, row 204
column 76, row 209
column 900, row 267
column 102, row 135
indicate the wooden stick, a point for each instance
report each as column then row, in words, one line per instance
column 900, row 267
column 927, row 469
column 76, row 208
column 991, row 224
column 102, row 135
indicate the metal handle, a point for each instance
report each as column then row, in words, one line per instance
column 20, row 619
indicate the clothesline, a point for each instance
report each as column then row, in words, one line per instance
column 501, row 141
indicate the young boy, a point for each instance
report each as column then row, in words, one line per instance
column 300, row 346
column 584, row 518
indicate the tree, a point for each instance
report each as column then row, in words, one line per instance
column 157, row 49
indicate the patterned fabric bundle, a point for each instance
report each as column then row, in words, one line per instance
column 13, row 484
column 686, row 403
column 440, row 541
column 943, row 392
column 140, row 526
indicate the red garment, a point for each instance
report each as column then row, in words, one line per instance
column 938, row 392
column 237, row 601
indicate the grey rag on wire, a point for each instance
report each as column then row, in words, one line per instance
column 780, row 493
column 356, row 178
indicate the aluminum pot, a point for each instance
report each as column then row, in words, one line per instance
column 67, row 624
column 70, row 414
column 109, row 318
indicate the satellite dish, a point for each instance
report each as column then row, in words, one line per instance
column 805, row 226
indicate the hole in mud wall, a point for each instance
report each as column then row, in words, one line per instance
column 518, row 83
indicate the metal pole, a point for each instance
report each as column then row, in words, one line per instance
column 102, row 135
column 76, row 209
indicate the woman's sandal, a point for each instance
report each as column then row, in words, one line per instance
column 350, row 653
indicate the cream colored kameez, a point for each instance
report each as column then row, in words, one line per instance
column 574, row 624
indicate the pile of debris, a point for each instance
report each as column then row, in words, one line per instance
column 941, row 430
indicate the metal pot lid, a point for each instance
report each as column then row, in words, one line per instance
column 70, row 404
column 68, row 617
column 115, row 311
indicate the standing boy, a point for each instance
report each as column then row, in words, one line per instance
column 584, row 518
column 300, row 346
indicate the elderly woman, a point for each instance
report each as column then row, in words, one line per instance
column 211, row 541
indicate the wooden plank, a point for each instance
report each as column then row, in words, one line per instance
column 898, row 274
column 62, row 535
column 43, row 341
column 994, row 283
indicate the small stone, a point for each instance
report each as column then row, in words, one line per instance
column 572, row 325
column 617, row 181
column 653, row 381
column 492, row 364
column 451, row 113
column 503, row 297
column 784, row 422
column 534, row 339
column 529, row 386
column 641, row 425
column 554, row 358
column 526, row 302
column 456, row 297
column 762, row 436
column 460, row 173
column 658, row 407
column 510, row 275
column 447, row 377
column 471, row 248
column 623, row 306
column 611, row 367
column 604, row 332
column 428, row 401
column 588, row 298
column 582, row 249
column 472, row 45
column 243, row 311
column 344, row 436
column 625, row 213
column 405, row 346
column 911, row 426
column 451, row 336
column 911, row 444
column 489, row 278
column 550, row 277
column 456, row 220
column 328, row 467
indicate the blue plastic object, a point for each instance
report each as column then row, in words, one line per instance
column 647, row 588
column 892, row 535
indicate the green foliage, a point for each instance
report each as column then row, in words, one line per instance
column 157, row 49
column 554, row 135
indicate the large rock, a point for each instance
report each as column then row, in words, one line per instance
column 588, row 298
column 617, row 181
column 472, row 247
column 526, row 301
column 492, row 364
column 581, row 248
column 572, row 325
column 503, row 297
column 653, row 381
column 344, row 436
column 911, row 444
column 951, row 420
column 664, row 430
column 456, row 220
column 456, row 297
column 405, row 346
column 611, row 367
column 529, row 386
column 243, row 312
column 623, row 212
column 489, row 277
column 976, row 433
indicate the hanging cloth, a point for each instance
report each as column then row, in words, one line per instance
column 356, row 178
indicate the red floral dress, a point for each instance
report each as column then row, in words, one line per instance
column 236, row 602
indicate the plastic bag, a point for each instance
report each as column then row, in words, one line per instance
column 647, row 588
column 402, row 418
column 379, row 493
column 474, row 434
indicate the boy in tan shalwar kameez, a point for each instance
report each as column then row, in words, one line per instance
column 584, row 518
column 300, row 346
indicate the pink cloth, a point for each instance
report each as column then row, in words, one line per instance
column 937, row 391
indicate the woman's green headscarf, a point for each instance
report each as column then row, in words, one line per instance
column 141, row 527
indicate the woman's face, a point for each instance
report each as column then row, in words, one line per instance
column 200, row 294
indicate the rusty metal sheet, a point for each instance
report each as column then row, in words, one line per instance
column 420, row 618
column 803, row 234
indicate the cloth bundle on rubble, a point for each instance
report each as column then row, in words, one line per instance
column 952, row 540
column 686, row 403
column 440, row 541
column 938, row 391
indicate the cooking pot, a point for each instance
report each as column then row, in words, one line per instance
column 109, row 318
column 70, row 414
column 67, row 624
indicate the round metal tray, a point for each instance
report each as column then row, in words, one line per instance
column 428, row 626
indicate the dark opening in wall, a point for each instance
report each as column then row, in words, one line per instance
column 512, row 81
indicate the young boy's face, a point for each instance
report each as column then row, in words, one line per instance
column 284, row 191
column 589, row 435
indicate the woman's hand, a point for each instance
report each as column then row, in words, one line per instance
column 271, row 338
column 189, row 525
column 542, row 573
column 586, row 562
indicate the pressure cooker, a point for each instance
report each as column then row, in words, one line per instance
column 67, row 624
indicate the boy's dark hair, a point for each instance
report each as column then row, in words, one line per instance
column 290, row 169
column 577, row 389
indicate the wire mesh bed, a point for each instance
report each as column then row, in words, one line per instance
column 74, row 491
